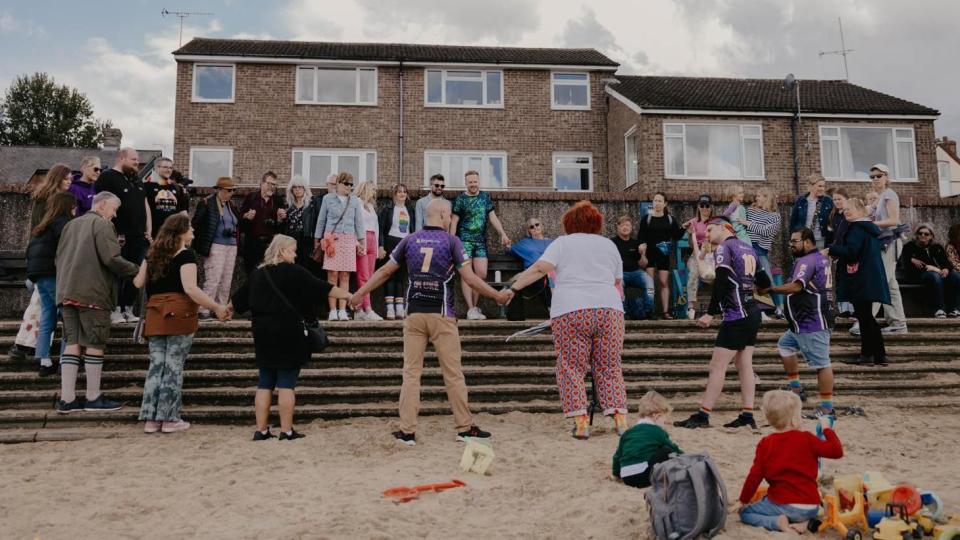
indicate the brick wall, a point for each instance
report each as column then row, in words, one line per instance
column 263, row 125
column 777, row 156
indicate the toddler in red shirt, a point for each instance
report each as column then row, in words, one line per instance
column 787, row 460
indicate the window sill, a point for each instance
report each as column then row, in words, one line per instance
column 198, row 100
column 867, row 180
column 713, row 179
column 296, row 102
column 439, row 106
column 569, row 108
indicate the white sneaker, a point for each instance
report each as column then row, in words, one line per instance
column 343, row 315
column 116, row 317
column 333, row 316
column 400, row 311
column 129, row 316
column 895, row 328
column 691, row 314
column 855, row 329
column 372, row 315
column 391, row 314
column 474, row 314
column 940, row 314
column 360, row 315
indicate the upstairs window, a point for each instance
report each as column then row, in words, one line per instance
column 570, row 90
column 461, row 88
column 213, row 83
column 336, row 86
column 713, row 151
column 848, row 152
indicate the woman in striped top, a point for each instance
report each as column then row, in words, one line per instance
column 763, row 224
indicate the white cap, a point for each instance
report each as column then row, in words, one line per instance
column 882, row 168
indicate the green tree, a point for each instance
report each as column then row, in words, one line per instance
column 37, row 111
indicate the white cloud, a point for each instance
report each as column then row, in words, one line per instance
column 11, row 25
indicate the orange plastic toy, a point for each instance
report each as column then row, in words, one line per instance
column 849, row 524
column 404, row 494
column 908, row 496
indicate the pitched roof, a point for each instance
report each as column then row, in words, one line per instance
column 19, row 163
column 760, row 95
column 394, row 52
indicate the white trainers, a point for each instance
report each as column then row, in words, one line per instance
column 343, row 315
column 400, row 311
column 691, row 314
column 333, row 316
column 371, row 315
column 360, row 315
column 474, row 314
column 391, row 314
column 129, row 316
column 116, row 317
column 940, row 314
column 855, row 329
column 895, row 328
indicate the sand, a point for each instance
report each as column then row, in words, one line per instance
column 212, row 482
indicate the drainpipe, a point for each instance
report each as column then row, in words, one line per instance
column 796, row 169
column 400, row 131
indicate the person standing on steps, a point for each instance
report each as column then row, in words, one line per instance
column 261, row 215
column 812, row 211
column 396, row 223
column 88, row 266
column 133, row 223
column 861, row 279
column 809, row 314
column 83, row 188
column 164, row 196
column 341, row 234
column 657, row 233
column 367, row 263
column 471, row 211
column 431, row 257
column 732, row 298
column 696, row 228
column 281, row 297
column 215, row 223
column 886, row 216
column 437, row 183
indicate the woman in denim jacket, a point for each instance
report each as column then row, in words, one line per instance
column 341, row 216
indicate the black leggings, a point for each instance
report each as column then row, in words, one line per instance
column 871, row 338
column 394, row 285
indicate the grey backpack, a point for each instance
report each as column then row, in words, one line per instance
column 686, row 498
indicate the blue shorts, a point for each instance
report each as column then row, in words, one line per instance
column 271, row 378
column 815, row 347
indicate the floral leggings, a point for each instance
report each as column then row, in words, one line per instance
column 585, row 339
column 163, row 389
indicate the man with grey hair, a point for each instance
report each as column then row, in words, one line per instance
column 132, row 222
column 164, row 196
column 88, row 264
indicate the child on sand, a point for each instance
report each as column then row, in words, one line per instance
column 787, row 460
column 645, row 444
column 737, row 212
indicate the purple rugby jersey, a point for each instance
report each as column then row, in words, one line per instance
column 741, row 260
column 432, row 257
column 811, row 310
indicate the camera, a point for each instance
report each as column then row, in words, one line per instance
column 184, row 182
column 269, row 222
column 229, row 232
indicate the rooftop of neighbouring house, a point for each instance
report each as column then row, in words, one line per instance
column 761, row 95
column 394, row 52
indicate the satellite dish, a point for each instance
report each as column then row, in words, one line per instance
column 789, row 81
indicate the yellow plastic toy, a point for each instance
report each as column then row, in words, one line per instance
column 477, row 457
column 850, row 524
column 879, row 489
column 897, row 527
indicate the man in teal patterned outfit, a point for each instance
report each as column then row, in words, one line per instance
column 471, row 210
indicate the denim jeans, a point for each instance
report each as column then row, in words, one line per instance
column 640, row 306
column 763, row 256
column 47, row 287
column 939, row 291
column 163, row 389
column 764, row 513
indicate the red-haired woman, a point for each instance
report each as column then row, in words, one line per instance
column 586, row 315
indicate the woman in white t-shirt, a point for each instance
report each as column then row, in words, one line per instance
column 367, row 193
column 396, row 222
column 586, row 315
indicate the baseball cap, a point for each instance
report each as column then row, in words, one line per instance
column 882, row 168
column 704, row 198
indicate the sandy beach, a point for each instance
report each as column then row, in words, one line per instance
column 212, row 482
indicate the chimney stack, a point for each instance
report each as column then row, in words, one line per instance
column 948, row 144
column 111, row 138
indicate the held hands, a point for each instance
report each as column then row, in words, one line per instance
column 281, row 214
column 355, row 300
column 505, row 296
column 361, row 250
column 704, row 322
column 223, row 313
column 381, row 253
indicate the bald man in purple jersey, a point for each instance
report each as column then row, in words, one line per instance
column 432, row 257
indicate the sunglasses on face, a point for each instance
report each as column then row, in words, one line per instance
column 534, row 226
column 97, row 169
column 875, row 176
column 439, row 186
column 924, row 233
column 348, row 184
column 704, row 205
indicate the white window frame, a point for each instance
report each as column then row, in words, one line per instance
column 742, row 177
column 195, row 149
column 483, row 154
column 632, row 132
column 553, row 85
column 316, row 82
column 587, row 155
column 893, row 166
column 443, row 89
column 337, row 153
column 233, row 82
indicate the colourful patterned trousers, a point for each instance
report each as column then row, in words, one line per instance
column 590, row 338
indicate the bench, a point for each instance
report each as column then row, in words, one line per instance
column 509, row 266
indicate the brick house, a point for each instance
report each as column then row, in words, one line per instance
column 686, row 135
column 527, row 119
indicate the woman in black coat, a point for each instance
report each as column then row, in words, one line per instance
column 861, row 279
column 279, row 339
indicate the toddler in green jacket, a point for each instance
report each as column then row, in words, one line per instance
column 645, row 444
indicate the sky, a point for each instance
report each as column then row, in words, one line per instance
column 119, row 52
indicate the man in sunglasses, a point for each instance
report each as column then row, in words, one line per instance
column 529, row 249
column 436, row 192
column 83, row 188
column 216, row 237
column 925, row 262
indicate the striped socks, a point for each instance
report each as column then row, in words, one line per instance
column 826, row 401
column 793, row 380
column 746, row 412
column 705, row 411
column 69, row 367
column 93, row 368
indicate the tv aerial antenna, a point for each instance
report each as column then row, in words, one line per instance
column 843, row 51
column 183, row 15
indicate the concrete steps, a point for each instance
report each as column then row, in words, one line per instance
column 359, row 375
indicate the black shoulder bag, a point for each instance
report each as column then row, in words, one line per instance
column 317, row 339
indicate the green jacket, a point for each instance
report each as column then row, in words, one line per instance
column 639, row 444
column 89, row 262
